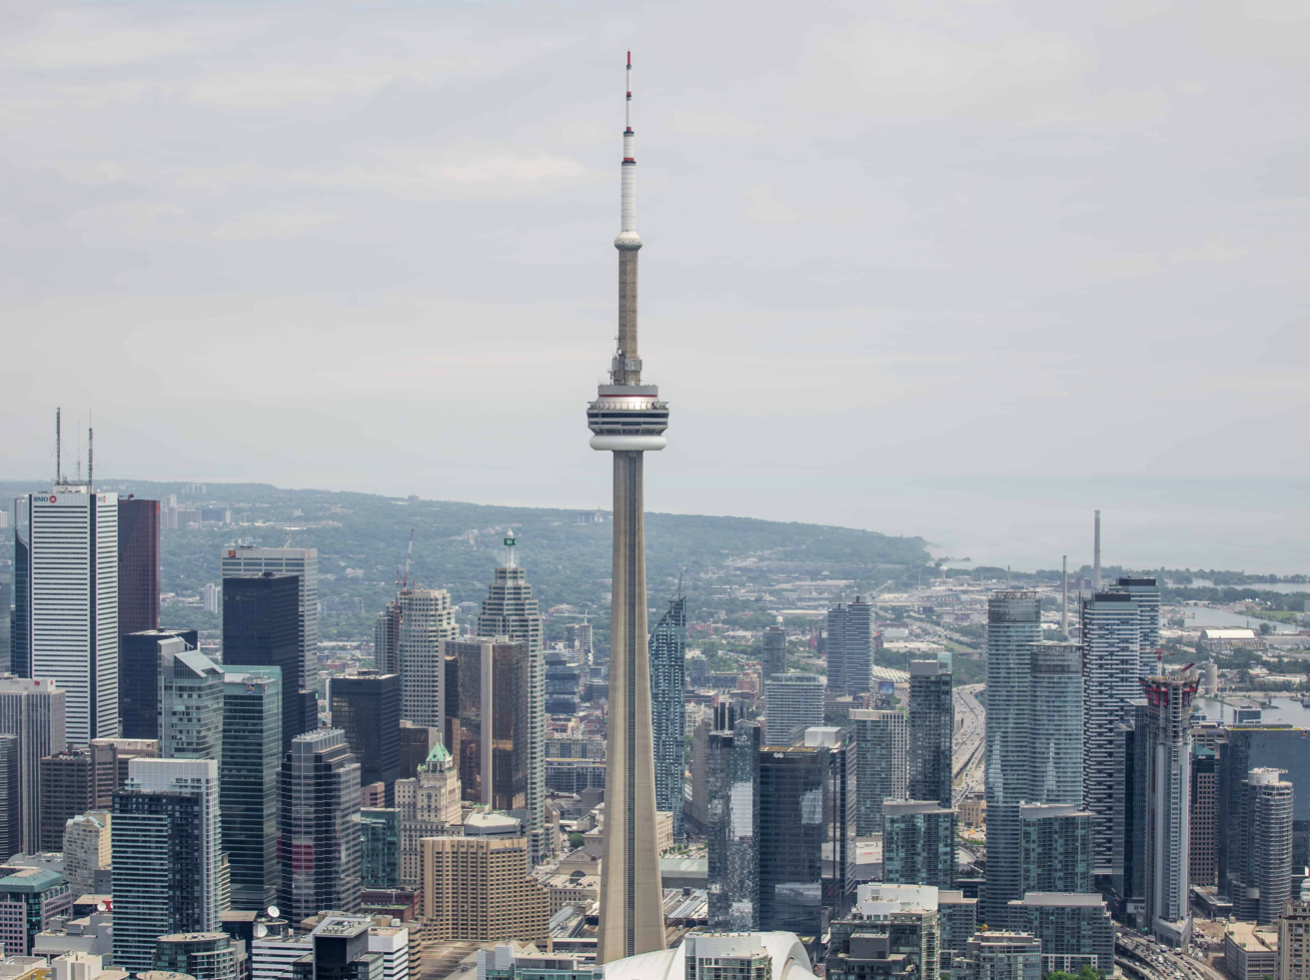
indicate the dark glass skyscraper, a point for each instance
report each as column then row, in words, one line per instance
column 320, row 838
column 668, row 656
column 252, row 753
column 791, row 838
column 261, row 628
column 932, row 728
column 367, row 708
column 734, row 827
column 138, row 565
column 139, row 668
column 20, row 624
column 492, row 729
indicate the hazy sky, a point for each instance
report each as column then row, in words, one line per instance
column 368, row 245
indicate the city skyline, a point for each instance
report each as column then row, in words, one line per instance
column 348, row 219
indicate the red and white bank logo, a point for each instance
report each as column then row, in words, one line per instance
column 52, row 498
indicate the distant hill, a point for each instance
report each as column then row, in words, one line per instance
column 361, row 539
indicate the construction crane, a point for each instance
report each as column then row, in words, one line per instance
column 402, row 578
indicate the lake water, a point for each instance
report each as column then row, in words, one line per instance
column 1255, row 526
column 1286, row 711
column 1207, row 616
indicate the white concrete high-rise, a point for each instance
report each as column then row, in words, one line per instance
column 71, row 603
column 426, row 622
column 1145, row 593
column 303, row 562
column 791, row 702
column 1167, row 913
column 35, row 711
column 628, row 420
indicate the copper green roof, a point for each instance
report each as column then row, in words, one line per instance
column 437, row 757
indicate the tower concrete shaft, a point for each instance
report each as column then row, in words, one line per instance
column 628, row 419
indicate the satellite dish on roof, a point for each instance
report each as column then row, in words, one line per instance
column 261, row 930
column 274, row 911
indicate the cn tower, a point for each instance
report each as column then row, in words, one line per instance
column 628, row 419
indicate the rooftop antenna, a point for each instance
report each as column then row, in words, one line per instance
column 1096, row 554
column 59, row 446
column 79, row 458
column 1064, row 597
column 90, row 453
column 409, row 553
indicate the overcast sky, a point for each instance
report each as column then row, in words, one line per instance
column 368, row 245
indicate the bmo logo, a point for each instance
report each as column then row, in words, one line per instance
column 53, row 498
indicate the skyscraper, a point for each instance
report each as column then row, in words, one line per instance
column 70, row 591
column 510, row 610
column 1013, row 625
column 165, row 830
column 734, row 828
column 849, row 647
column 882, row 741
column 493, row 733
column 68, row 787
column 34, row 710
column 893, row 931
column 429, row 806
column 20, row 623
column 1203, row 850
column 1294, row 941
column 190, row 706
column 1263, row 852
column 11, row 797
column 1055, row 755
column 792, row 832
column 87, row 849
column 426, row 622
column 1145, row 594
column 1111, row 657
column 366, row 707
column 668, row 653
column 482, row 888
column 792, row 703
column 386, row 638
column 918, row 843
column 252, row 756
column 139, row 668
column 1055, row 847
column 628, row 419
column 320, row 841
column 773, row 652
column 932, row 729
column 138, row 565
column 242, row 561
column 1168, row 788
column 261, row 628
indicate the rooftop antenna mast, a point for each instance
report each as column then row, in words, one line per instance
column 409, row 553
column 90, row 454
column 59, row 449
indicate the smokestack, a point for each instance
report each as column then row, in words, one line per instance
column 1096, row 555
column 1064, row 597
